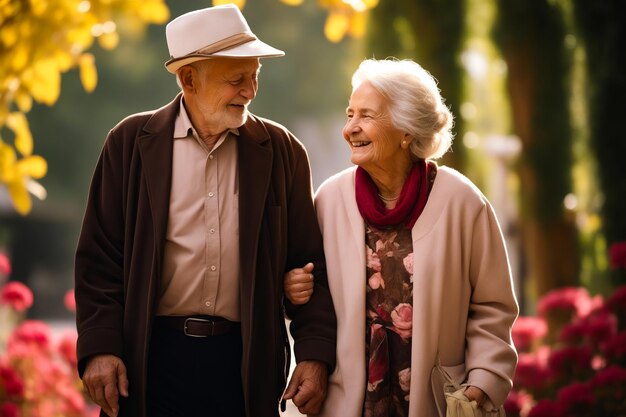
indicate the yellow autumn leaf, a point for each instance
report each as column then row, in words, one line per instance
column 292, row 2
column 155, row 12
column 45, row 82
column 370, row 4
column 19, row 196
column 23, row 138
column 33, row 166
column 88, row 72
column 357, row 25
column 109, row 41
column 19, row 57
column 7, row 162
column 239, row 3
column 8, row 35
column 336, row 26
column 24, row 101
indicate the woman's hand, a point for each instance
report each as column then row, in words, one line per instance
column 475, row 394
column 299, row 284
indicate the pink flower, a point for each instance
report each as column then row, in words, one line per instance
column 69, row 300
column 526, row 330
column 573, row 299
column 32, row 333
column 402, row 318
column 615, row 347
column 576, row 395
column 11, row 381
column 532, row 370
column 610, row 376
column 546, row 408
column 376, row 281
column 373, row 261
column 570, row 361
column 617, row 255
column 17, row 295
column 5, row 265
column 408, row 263
column 595, row 329
column 9, row 410
column 67, row 348
column 515, row 402
column 617, row 301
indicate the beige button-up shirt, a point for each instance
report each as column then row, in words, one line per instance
column 201, row 262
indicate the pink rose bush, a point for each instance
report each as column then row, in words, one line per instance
column 38, row 376
column 572, row 357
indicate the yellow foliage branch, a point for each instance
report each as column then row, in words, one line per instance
column 40, row 40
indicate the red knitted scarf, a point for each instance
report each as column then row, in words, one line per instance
column 410, row 203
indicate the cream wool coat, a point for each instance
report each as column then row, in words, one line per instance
column 463, row 299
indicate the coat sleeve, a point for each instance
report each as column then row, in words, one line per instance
column 490, row 355
column 99, row 261
column 313, row 325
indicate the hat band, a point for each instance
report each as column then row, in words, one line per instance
column 230, row 42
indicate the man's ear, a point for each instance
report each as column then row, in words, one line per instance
column 187, row 76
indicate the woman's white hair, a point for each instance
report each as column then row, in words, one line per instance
column 415, row 103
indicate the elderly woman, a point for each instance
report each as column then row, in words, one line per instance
column 415, row 257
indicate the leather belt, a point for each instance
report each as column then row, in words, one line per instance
column 199, row 326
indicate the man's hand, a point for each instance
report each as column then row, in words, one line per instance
column 105, row 380
column 475, row 394
column 308, row 386
column 299, row 284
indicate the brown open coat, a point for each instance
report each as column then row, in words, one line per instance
column 120, row 254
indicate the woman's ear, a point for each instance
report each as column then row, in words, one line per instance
column 406, row 141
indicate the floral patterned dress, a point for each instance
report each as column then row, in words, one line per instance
column 389, row 304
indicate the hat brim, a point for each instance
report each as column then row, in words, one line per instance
column 253, row 49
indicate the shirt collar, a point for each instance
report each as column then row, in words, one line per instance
column 183, row 127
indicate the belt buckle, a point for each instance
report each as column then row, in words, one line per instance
column 198, row 320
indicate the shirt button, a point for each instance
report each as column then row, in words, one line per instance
column 213, row 267
column 211, row 194
column 208, row 304
column 211, row 156
column 211, row 230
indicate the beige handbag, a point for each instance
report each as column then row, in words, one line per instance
column 450, row 400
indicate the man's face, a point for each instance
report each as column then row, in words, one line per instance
column 225, row 87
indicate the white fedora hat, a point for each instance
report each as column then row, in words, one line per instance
column 219, row 31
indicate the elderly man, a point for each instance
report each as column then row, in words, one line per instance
column 195, row 212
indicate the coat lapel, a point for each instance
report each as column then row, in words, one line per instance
column 255, row 167
column 156, row 149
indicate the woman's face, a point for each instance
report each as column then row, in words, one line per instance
column 373, row 140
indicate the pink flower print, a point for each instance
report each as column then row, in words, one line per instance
column 402, row 318
column 382, row 313
column 408, row 263
column 17, row 295
column 373, row 261
column 376, row 281
column 404, row 378
column 378, row 364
